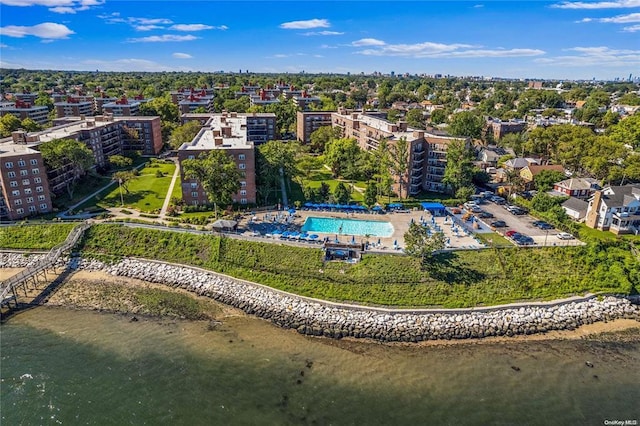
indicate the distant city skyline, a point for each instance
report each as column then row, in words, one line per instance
column 531, row 39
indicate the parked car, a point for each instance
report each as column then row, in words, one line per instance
column 542, row 225
column 517, row 211
column 510, row 233
column 475, row 209
column 565, row 236
column 523, row 240
column 485, row 215
column 499, row 224
column 498, row 200
column 469, row 205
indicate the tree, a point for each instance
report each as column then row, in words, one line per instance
column 466, row 124
column 307, row 163
column 458, row 172
column 67, row 156
column 393, row 115
column 217, row 173
column 29, row 125
column 323, row 191
column 415, row 119
column 321, row 137
column 371, row 194
column 277, row 165
column 400, row 161
column 546, row 178
column 9, row 123
column 340, row 155
column 626, row 131
column 419, row 244
column 123, row 178
column 438, row 116
column 120, row 161
column 184, row 134
column 341, row 194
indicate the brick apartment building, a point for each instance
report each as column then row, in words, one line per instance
column 24, row 187
column 124, row 107
column 260, row 127
column 500, row 128
column 228, row 132
column 23, row 109
column 427, row 150
column 308, row 122
column 73, row 107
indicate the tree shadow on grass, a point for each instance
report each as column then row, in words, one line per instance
column 447, row 267
column 129, row 199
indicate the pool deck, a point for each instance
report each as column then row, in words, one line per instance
column 263, row 221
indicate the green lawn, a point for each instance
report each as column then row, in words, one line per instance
column 496, row 239
column 88, row 185
column 34, row 237
column 316, row 177
column 146, row 192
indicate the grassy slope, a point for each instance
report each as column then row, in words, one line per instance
column 468, row 278
column 34, row 237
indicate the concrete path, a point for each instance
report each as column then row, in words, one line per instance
column 167, row 199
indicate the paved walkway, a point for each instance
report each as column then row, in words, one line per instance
column 167, row 199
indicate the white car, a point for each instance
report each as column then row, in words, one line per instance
column 565, row 236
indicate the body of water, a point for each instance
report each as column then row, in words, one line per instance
column 329, row 225
column 61, row 366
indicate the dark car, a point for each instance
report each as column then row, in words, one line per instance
column 523, row 240
column 499, row 224
column 517, row 211
column 542, row 225
column 485, row 215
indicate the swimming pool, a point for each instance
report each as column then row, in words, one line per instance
column 330, row 225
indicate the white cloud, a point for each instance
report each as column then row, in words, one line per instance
column 127, row 64
column 622, row 19
column 179, row 55
column 190, row 27
column 322, row 33
column 631, row 29
column 305, row 25
column 614, row 4
column 162, row 38
column 46, row 30
column 600, row 56
column 478, row 6
column 147, row 27
column 438, row 50
column 56, row 6
column 327, row 46
column 3, row 46
column 368, row 42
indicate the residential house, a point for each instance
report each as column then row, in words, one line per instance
column 519, row 163
column 576, row 208
column 529, row 173
column 576, row 187
column 616, row 209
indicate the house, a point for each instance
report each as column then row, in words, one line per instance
column 490, row 155
column 529, row 173
column 616, row 209
column 519, row 163
column 575, row 208
column 576, row 187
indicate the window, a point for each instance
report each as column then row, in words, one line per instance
column 243, row 184
column 242, row 166
column 18, row 202
column 191, row 157
column 194, row 185
column 32, row 209
column 243, row 192
column 39, row 189
column 34, row 162
column 9, row 165
column 243, row 201
column 27, row 191
column 41, row 197
column 26, row 182
column 241, row 157
column 30, row 200
column 43, row 206
column 35, row 171
column 15, row 193
column 194, row 194
column 24, row 173
column 19, row 211
column 12, row 174
column 13, row 183
column 21, row 163
column 194, row 202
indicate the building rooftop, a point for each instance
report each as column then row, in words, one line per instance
column 221, row 132
column 10, row 149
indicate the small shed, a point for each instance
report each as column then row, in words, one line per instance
column 225, row 225
column 342, row 251
column 575, row 208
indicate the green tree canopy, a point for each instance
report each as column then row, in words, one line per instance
column 418, row 243
column 321, row 137
column 371, row 194
column 546, row 178
column 69, row 155
column 627, row 131
column 400, row 161
column 341, row 155
column 217, row 173
column 466, row 124
column 9, row 123
column 341, row 194
column 120, row 161
column 184, row 133
column 458, row 172
column 123, row 178
column 415, row 119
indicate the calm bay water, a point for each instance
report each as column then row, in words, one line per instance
column 76, row 367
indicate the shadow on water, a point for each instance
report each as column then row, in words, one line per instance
column 447, row 267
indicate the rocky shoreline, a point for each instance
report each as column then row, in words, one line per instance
column 318, row 318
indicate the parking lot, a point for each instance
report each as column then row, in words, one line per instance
column 524, row 225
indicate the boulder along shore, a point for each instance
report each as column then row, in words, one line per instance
column 335, row 320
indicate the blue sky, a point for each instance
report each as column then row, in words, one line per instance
column 517, row 39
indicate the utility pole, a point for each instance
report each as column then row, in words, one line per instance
column 121, row 197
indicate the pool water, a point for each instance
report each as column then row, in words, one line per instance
column 329, row 225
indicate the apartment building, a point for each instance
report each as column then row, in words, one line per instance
column 264, row 98
column 100, row 100
column 73, row 107
column 23, row 109
column 184, row 93
column 193, row 102
column 260, row 127
column 23, row 182
column 229, row 133
column 303, row 100
column 124, row 107
column 308, row 122
column 500, row 128
column 427, row 150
